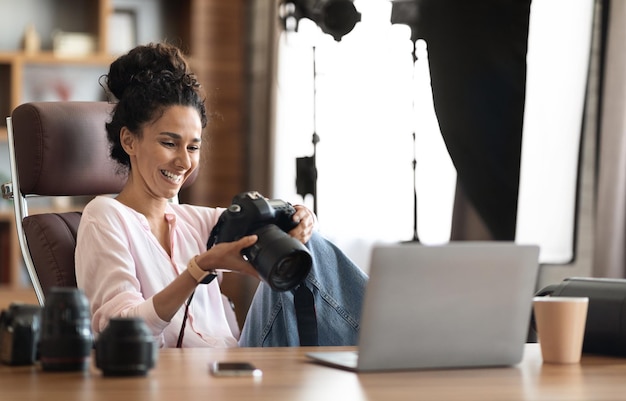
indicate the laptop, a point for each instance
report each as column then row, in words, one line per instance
column 459, row 305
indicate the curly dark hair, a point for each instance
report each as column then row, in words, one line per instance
column 146, row 81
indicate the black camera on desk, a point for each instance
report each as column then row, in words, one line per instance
column 20, row 327
column 281, row 260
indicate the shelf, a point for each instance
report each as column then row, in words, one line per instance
column 15, row 64
column 49, row 58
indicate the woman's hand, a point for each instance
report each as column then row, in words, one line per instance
column 227, row 256
column 306, row 222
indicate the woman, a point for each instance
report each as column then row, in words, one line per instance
column 140, row 255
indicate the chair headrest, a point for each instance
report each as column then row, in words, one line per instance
column 62, row 149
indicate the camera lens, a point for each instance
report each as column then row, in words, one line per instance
column 281, row 260
column 66, row 338
column 125, row 348
column 288, row 271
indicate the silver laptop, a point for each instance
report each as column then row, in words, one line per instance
column 459, row 305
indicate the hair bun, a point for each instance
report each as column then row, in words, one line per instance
column 163, row 77
column 149, row 64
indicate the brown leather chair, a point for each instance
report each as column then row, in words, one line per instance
column 56, row 149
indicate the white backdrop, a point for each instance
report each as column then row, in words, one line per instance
column 369, row 101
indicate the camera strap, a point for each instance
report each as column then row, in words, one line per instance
column 305, row 315
column 181, row 333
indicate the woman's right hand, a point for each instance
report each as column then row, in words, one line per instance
column 227, row 256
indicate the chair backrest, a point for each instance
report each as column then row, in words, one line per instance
column 57, row 149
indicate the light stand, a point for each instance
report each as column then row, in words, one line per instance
column 414, row 163
column 306, row 169
column 405, row 12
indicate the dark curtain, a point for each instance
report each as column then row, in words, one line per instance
column 477, row 55
column 610, row 215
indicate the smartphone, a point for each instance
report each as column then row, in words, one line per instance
column 233, row 369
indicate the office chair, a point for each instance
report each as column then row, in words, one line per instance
column 56, row 149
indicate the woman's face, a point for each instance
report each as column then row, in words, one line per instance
column 167, row 152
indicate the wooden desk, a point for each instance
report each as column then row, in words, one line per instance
column 288, row 375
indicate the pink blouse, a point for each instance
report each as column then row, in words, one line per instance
column 120, row 266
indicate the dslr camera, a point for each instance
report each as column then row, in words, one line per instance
column 281, row 260
column 20, row 328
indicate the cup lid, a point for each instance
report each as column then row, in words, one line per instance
column 548, row 298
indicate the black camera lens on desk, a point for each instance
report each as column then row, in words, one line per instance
column 126, row 348
column 66, row 337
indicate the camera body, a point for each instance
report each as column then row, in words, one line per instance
column 20, row 328
column 250, row 211
column 282, row 261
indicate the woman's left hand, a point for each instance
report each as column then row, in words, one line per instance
column 306, row 223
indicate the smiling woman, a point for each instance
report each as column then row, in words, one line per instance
column 140, row 255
